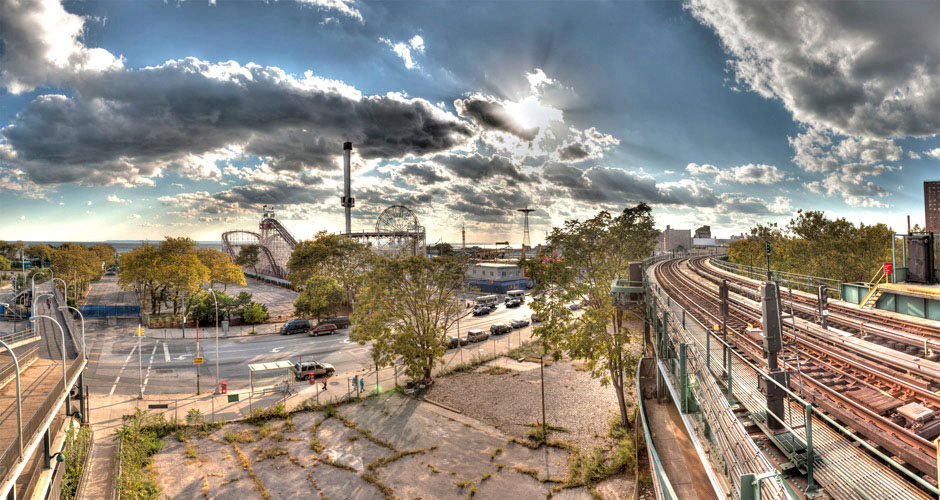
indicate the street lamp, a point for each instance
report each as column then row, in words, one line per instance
column 65, row 287
column 63, row 309
column 36, row 298
column 216, row 301
column 19, row 413
column 33, row 279
column 64, row 378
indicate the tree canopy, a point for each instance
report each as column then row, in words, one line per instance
column 320, row 297
column 248, row 256
column 592, row 254
column 406, row 306
column 334, row 255
column 813, row 244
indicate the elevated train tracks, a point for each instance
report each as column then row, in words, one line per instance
column 887, row 396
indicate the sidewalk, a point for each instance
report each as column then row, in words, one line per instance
column 208, row 332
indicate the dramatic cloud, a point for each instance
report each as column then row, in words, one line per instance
column 477, row 167
column 744, row 174
column 41, row 44
column 424, row 174
column 587, row 144
column 859, row 68
column 491, row 114
column 130, row 126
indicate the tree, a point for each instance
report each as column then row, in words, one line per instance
column 406, row 306
column 334, row 255
column 40, row 251
column 221, row 269
column 254, row 314
column 248, row 256
column 5, row 263
column 140, row 270
column 595, row 253
column 320, row 296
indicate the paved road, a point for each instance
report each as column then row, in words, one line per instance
column 117, row 367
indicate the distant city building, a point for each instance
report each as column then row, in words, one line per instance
column 674, row 239
column 704, row 232
column 932, row 206
column 495, row 277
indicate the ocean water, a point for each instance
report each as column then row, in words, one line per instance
column 122, row 246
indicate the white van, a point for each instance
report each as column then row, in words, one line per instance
column 515, row 295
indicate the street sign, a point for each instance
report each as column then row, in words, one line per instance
column 233, row 398
column 198, row 361
column 889, row 267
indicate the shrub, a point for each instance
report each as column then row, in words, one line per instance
column 77, row 444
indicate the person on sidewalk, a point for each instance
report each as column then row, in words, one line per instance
column 356, row 384
column 362, row 384
column 324, row 383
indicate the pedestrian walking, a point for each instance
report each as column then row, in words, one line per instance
column 356, row 383
column 324, row 383
column 362, row 384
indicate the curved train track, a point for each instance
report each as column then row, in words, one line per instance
column 850, row 379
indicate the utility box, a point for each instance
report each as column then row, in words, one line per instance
column 225, row 327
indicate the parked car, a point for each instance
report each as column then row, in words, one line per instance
column 312, row 369
column 339, row 321
column 574, row 306
column 536, row 319
column 513, row 303
column 520, row 323
column 477, row 336
column 295, row 326
column 481, row 311
column 499, row 329
column 323, row 329
column 454, row 342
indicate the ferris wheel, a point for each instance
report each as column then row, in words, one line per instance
column 397, row 219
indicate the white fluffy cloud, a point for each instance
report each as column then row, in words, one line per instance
column 113, row 198
column 344, row 7
column 404, row 49
column 745, row 174
column 933, row 153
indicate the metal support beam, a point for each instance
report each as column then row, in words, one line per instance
column 683, row 378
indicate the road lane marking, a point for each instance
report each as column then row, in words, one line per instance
column 166, row 353
column 118, row 379
column 149, row 364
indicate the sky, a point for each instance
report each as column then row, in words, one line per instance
column 137, row 120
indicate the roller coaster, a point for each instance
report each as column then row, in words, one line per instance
column 274, row 241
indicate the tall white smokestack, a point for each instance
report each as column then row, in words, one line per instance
column 348, row 200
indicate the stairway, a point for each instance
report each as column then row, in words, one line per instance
column 872, row 298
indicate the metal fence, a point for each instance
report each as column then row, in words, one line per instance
column 796, row 281
column 833, row 454
column 24, row 357
column 106, row 311
column 645, row 369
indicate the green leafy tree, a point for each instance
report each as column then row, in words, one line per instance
column 406, row 306
column 254, row 314
column 221, row 269
column 337, row 256
column 592, row 254
column 320, row 297
column 248, row 256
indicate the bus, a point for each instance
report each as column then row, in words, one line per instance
column 515, row 295
column 486, row 300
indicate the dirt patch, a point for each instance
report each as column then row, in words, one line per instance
column 509, row 401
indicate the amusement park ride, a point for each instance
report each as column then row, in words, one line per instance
column 396, row 231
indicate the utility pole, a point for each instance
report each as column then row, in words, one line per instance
column 542, row 375
column 770, row 275
column 140, row 364
column 198, row 390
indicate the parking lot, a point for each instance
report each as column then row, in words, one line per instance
column 279, row 300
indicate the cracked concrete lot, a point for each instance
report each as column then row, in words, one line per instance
column 389, row 446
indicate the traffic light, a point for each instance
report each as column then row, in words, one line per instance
column 822, row 299
column 767, row 248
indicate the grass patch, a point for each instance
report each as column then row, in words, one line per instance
column 271, row 452
column 243, row 436
column 246, row 465
column 76, row 447
column 433, row 468
column 486, row 476
column 370, row 478
column 534, row 473
column 469, row 365
column 383, row 461
column 191, row 452
column 495, row 453
column 473, row 491
column 205, row 487
column 554, row 428
column 464, row 483
column 497, row 370
column 141, row 437
column 365, row 432
column 260, row 415
column 587, row 469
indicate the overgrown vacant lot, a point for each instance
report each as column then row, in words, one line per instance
column 389, row 446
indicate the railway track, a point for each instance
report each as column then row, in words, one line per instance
column 905, row 336
column 857, row 385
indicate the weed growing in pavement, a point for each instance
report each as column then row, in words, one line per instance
column 246, row 465
column 370, row 478
column 260, row 415
column 433, row 468
column 464, row 483
column 495, row 453
column 587, row 469
column 473, row 491
column 486, row 476
column 469, row 365
column 315, row 443
column 244, row 436
column 497, row 370
column 365, row 432
column 205, row 487
column 549, row 427
column 383, row 461
column 271, row 452
column 141, row 436
column 499, row 467
column 191, row 452
column 534, row 473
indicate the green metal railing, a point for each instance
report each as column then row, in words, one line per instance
column 796, row 281
column 670, row 321
column 660, row 478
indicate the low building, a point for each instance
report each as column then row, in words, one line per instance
column 704, row 232
column 679, row 240
column 495, row 277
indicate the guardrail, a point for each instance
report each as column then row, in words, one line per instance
column 20, row 336
column 796, row 281
column 670, row 319
column 8, row 371
column 661, row 482
column 86, row 473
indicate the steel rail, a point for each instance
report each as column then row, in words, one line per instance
column 924, row 463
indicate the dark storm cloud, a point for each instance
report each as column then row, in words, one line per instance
column 490, row 114
column 122, row 126
column 573, row 152
column 478, row 167
column 861, row 68
column 423, row 173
